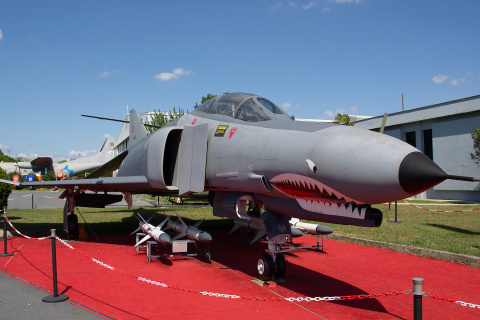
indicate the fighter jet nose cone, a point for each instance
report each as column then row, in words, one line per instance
column 205, row 237
column 418, row 173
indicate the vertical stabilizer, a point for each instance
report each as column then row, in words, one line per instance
column 137, row 129
column 106, row 152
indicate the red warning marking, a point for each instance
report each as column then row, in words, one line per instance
column 194, row 120
column 232, row 131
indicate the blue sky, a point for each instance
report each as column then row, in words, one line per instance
column 61, row 59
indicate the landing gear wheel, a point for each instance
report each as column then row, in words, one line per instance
column 265, row 267
column 280, row 266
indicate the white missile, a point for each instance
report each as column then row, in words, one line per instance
column 191, row 232
column 152, row 232
column 257, row 225
column 310, row 227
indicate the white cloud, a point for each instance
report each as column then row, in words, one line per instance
column 440, row 78
column 326, row 9
column 330, row 114
column 456, row 82
column 4, row 147
column 348, row 1
column 175, row 75
column 80, row 154
column 107, row 73
column 286, row 105
column 309, row 5
column 104, row 74
column 1, row 34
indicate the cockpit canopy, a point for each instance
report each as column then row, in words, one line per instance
column 242, row 106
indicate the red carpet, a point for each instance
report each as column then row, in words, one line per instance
column 346, row 269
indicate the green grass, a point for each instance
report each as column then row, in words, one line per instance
column 452, row 232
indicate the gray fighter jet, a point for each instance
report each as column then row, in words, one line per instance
column 254, row 160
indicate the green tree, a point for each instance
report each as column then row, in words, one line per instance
column 206, row 98
column 476, row 146
column 343, row 119
column 159, row 118
column 50, row 176
column 5, row 189
column 5, row 158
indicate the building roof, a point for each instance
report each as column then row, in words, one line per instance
column 440, row 110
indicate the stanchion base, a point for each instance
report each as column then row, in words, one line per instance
column 6, row 254
column 53, row 299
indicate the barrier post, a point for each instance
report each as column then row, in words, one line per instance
column 55, row 297
column 5, row 254
column 417, row 298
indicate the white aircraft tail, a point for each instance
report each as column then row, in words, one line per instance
column 106, row 152
column 137, row 129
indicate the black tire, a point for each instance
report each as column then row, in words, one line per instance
column 265, row 267
column 280, row 266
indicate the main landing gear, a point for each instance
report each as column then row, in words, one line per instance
column 273, row 265
column 268, row 269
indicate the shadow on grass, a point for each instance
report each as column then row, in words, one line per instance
column 453, row 229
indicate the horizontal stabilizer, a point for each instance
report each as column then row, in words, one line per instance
column 108, row 167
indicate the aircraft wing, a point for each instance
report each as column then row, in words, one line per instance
column 108, row 167
column 131, row 183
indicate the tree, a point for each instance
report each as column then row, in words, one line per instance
column 343, row 119
column 476, row 146
column 5, row 189
column 5, row 158
column 204, row 99
column 49, row 176
column 159, row 118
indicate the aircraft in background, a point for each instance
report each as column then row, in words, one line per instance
column 255, row 161
column 64, row 170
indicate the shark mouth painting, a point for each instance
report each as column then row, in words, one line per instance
column 315, row 196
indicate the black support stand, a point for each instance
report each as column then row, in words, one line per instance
column 56, row 297
column 417, row 298
column 5, row 254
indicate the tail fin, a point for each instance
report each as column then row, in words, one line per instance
column 137, row 129
column 106, row 152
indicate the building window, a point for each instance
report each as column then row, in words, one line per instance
column 410, row 138
column 428, row 143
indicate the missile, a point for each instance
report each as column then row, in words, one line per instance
column 257, row 225
column 191, row 232
column 152, row 232
column 310, row 227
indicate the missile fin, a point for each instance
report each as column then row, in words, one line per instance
column 258, row 236
column 136, row 230
column 180, row 235
column 236, row 226
column 181, row 221
column 143, row 240
column 197, row 224
column 163, row 223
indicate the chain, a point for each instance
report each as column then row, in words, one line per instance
column 461, row 303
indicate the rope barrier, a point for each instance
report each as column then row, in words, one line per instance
column 26, row 237
column 230, row 296
column 427, row 209
column 290, row 299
